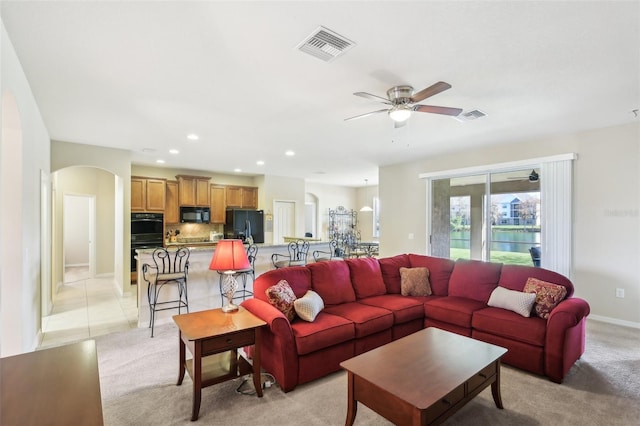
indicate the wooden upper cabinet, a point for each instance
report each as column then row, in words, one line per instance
column 193, row 190
column 147, row 194
column 249, row 198
column 172, row 208
column 243, row 197
column 234, row 196
column 218, row 204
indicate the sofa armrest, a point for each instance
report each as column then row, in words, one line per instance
column 568, row 313
column 565, row 340
column 278, row 348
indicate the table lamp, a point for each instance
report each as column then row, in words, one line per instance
column 229, row 256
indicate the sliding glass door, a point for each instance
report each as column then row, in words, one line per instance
column 487, row 216
column 515, row 213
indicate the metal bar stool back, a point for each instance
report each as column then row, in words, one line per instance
column 170, row 267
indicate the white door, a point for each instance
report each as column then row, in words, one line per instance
column 284, row 220
column 78, row 230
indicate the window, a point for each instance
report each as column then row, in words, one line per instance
column 514, row 209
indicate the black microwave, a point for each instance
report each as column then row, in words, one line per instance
column 194, row 214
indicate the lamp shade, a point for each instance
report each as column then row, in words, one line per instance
column 229, row 255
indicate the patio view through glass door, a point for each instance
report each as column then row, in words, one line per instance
column 488, row 216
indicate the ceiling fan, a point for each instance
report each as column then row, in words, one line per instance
column 403, row 101
column 533, row 176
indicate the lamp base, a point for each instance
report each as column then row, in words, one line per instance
column 230, row 308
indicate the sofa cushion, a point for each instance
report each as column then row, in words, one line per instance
column 390, row 268
column 474, row 279
column 439, row 271
column 299, row 279
column 331, row 280
column 281, row 297
column 367, row 319
column 366, row 277
column 547, row 295
column 327, row 330
column 308, row 306
column 453, row 310
column 501, row 322
column 514, row 277
column 415, row 282
column 404, row 309
column 515, row 301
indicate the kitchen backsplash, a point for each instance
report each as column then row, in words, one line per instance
column 194, row 230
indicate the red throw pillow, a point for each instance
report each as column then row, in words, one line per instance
column 282, row 297
column 548, row 295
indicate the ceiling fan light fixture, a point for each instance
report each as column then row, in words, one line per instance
column 400, row 113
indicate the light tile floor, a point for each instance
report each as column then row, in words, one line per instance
column 86, row 308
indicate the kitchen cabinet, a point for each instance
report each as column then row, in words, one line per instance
column 148, row 194
column 243, row 197
column 218, row 204
column 172, row 206
column 193, row 190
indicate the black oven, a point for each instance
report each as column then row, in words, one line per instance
column 146, row 232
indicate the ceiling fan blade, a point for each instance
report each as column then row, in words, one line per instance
column 438, row 110
column 373, row 97
column 365, row 115
column 434, row 89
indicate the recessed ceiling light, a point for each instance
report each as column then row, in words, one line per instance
column 174, row 151
column 260, row 163
column 237, row 170
column 160, row 161
column 193, row 137
column 290, row 153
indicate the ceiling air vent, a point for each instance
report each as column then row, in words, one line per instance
column 325, row 44
column 470, row 115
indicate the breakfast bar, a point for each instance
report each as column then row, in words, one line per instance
column 203, row 285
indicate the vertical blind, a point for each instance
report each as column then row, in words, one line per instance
column 556, row 200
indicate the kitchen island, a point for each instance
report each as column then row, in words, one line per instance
column 203, row 285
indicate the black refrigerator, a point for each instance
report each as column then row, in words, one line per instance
column 241, row 222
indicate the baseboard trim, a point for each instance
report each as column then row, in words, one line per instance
column 615, row 321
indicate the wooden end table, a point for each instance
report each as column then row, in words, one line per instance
column 423, row 378
column 213, row 338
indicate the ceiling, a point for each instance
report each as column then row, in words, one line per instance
column 142, row 75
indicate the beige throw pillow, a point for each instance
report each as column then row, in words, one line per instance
column 516, row 301
column 415, row 282
column 309, row 306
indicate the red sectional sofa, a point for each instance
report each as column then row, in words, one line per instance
column 364, row 309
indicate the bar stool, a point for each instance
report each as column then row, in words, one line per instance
column 171, row 267
column 297, row 255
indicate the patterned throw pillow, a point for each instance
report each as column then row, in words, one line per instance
column 548, row 295
column 309, row 306
column 415, row 282
column 282, row 297
column 516, row 301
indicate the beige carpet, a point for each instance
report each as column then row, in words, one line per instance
column 138, row 376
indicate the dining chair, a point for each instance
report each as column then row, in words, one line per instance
column 321, row 255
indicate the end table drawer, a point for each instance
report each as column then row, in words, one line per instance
column 228, row 341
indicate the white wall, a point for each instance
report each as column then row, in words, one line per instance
column 20, row 255
column 606, row 210
column 330, row 197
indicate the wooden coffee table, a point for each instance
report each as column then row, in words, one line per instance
column 213, row 338
column 423, row 378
